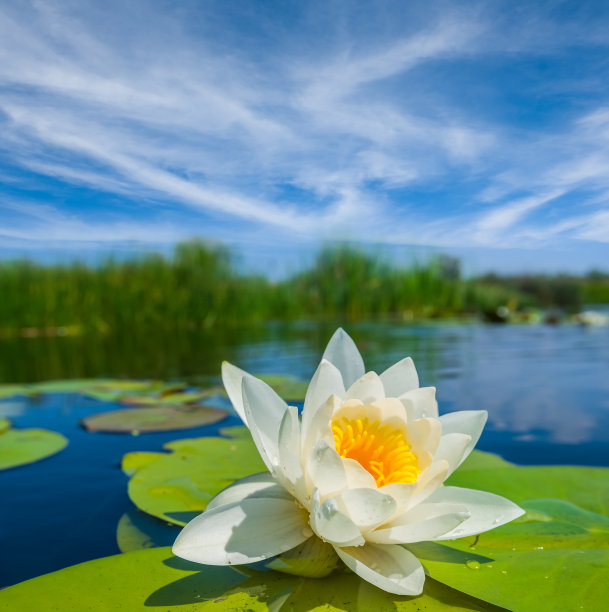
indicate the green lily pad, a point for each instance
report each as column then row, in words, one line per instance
column 154, row 579
column 23, row 446
column 178, row 485
column 64, row 386
column 136, row 530
column 586, row 487
column 5, row 425
column 557, row 554
column 289, row 388
column 154, row 418
column 13, row 390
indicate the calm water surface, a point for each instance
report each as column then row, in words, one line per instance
column 546, row 389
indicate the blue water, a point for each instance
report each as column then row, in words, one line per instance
column 546, row 390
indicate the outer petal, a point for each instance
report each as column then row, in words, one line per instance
column 289, row 469
column 326, row 381
column 232, row 377
column 424, row 522
column 243, row 532
column 453, row 448
column 367, row 508
column 331, row 525
column 368, row 388
column 470, row 422
column 325, row 470
column 400, row 378
column 257, row 485
column 264, row 410
column 420, row 403
column 389, row 567
column 342, row 352
column 487, row 510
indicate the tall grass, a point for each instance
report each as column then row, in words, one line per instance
column 200, row 287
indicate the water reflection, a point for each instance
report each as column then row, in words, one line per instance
column 545, row 387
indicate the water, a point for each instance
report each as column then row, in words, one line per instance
column 546, row 389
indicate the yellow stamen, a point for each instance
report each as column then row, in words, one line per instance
column 381, row 450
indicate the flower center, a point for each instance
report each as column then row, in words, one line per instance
column 381, row 450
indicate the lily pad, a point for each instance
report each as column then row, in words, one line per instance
column 178, row 485
column 586, row 487
column 23, row 446
column 153, row 578
column 154, row 418
column 5, row 425
column 557, row 554
column 13, row 390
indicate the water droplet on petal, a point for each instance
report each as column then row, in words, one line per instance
column 306, row 532
column 496, row 521
column 473, row 565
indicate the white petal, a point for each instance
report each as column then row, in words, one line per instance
column 429, row 480
column 368, row 388
column 325, row 470
column 319, row 427
column 257, row 485
column 420, row 403
column 452, row 448
column 289, row 455
column 424, row 522
column 331, row 525
column 487, row 510
column 389, row 567
column 264, row 410
column 400, row 378
column 425, row 434
column 357, row 476
column 402, row 492
column 390, row 408
column 326, row 381
column 470, row 422
column 342, row 352
column 367, row 508
column 243, row 532
column 232, row 377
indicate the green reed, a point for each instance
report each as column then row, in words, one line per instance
column 200, row 286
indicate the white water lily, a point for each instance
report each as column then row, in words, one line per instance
column 363, row 470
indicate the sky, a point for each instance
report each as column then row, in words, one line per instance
column 479, row 129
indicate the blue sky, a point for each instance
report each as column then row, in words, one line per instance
column 474, row 128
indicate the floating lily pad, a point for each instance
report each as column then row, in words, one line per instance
column 289, row 388
column 586, row 487
column 557, row 554
column 13, row 390
column 63, row 386
column 154, row 418
column 154, row 579
column 178, row 485
column 172, row 398
column 23, row 446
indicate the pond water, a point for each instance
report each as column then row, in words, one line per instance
column 546, row 389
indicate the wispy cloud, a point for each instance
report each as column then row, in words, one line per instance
column 323, row 134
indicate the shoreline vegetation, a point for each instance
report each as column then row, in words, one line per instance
column 200, row 286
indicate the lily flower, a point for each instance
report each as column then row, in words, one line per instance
column 362, row 470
